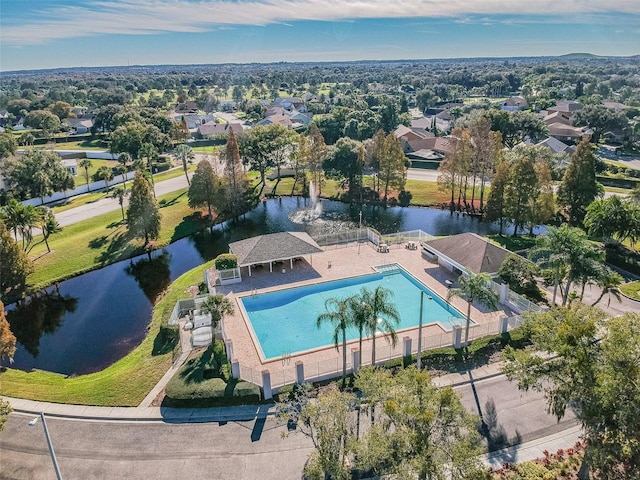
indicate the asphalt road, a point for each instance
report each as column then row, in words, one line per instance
column 234, row 450
column 105, row 205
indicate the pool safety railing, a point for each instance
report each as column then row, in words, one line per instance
column 388, row 268
column 371, row 235
column 286, row 370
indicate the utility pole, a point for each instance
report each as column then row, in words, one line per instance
column 359, row 229
column 419, row 364
column 49, row 444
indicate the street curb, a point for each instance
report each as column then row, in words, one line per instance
column 185, row 417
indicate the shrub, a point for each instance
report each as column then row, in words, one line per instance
column 205, row 381
column 225, row 261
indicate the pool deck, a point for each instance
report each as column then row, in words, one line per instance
column 337, row 262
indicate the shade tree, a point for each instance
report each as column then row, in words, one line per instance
column 584, row 361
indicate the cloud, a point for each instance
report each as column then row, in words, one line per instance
column 145, row 17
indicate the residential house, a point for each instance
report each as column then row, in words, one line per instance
column 556, row 146
column 280, row 119
column 569, row 133
column 194, row 120
column 513, row 104
column 211, row 128
column 186, row 107
column 79, row 126
column 556, row 117
column 569, row 107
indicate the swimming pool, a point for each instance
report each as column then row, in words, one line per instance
column 285, row 321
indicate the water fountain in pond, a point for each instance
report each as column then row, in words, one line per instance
column 316, row 220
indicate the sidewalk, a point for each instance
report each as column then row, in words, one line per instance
column 519, row 453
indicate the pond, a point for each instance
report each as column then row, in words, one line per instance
column 84, row 324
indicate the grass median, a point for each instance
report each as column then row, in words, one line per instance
column 103, row 240
column 126, row 382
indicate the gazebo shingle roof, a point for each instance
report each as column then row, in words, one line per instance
column 471, row 251
column 272, row 247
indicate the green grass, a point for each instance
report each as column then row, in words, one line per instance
column 205, row 381
column 103, row 240
column 126, row 382
column 631, row 289
column 80, row 200
column 513, row 244
column 80, row 178
column 617, row 190
column 89, row 144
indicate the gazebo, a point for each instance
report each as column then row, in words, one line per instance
column 274, row 247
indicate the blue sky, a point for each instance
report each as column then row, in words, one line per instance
column 38, row 34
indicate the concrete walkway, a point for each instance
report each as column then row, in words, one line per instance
column 145, row 413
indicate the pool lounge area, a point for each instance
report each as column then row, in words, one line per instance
column 334, row 263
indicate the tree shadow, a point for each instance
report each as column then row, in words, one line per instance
column 165, row 341
column 189, row 225
column 39, row 314
column 153, row 275
column 167, row 203
column 99, row 242
column 116, row 249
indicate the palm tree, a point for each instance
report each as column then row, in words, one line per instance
column 338, row 314
column 86, row 164
column 610, row 282
column 384, row 316
column 120, row 194
column 474, row 287
column 553, row 251
column 218, row 306
column 105, row 173
column 184, row 153
column 360, row 313
column 148, row 151
column 120, row 170
column 48, row 224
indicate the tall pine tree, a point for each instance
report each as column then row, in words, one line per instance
column 235, row 182
column 579, row 186
column 143, row 214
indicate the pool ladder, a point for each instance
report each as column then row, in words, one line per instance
column 254, row 292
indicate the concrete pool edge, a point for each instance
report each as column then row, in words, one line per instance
column 376, row 270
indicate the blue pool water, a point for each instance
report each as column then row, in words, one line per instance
column 285, row 321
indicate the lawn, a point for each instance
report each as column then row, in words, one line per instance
column 126, row 382
column 514, row 244
column 103, row 240
column 80, row 200
column 90, row 144
column 631, row 289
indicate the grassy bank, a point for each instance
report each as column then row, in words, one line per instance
column 126, row 382
column 103, row 240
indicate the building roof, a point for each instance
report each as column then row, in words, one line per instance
column 557, row 117
column 562, row 130
column 568, row 106
column 471, row 252
column 272, row 247
column 555, row 145
column 214, row 128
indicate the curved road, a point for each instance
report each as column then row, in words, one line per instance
column 226, row 450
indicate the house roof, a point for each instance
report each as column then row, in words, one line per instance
column 471, row 251
column 566, row 106
column 615, row 105
column 213, row 128
column 516, row 101
column 562, row 130
column 272, row 247
column 555, row 145
column 443, row 145
column 557, row 117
